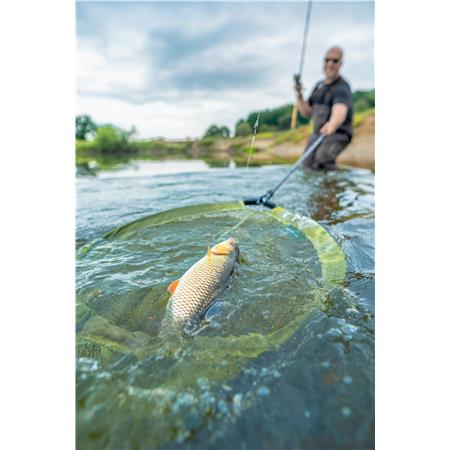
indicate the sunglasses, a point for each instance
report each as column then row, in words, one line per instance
column 333, row 60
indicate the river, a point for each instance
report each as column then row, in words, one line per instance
column 314, row 390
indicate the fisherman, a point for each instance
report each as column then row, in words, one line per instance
column 330, row 107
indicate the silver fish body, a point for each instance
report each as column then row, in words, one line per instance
column 202, row 283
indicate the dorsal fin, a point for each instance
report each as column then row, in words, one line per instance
column 173, row 286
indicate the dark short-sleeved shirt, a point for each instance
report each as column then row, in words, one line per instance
column 329, row 94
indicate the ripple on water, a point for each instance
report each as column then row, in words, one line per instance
column 346, row 411
column 122, row 285
column 347, row 379
column 263, row 391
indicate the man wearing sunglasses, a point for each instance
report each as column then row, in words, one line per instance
column 330, row 107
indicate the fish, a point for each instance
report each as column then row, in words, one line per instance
column 195, row 291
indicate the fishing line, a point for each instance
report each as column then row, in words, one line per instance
column 265, row 199
column 250, row 213
column 255, row 129
column 227, row 232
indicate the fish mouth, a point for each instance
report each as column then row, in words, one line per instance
column 226, row 247
column 233, row 242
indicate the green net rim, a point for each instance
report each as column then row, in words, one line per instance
column 249, row 346
column 331, row 257
column 208, row 352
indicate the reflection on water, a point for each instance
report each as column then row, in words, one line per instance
column 102, row 165
column 150, row 168
column 325, row 200
column 314, row 390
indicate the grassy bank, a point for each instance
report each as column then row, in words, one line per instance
column 271, row 147
column 86, row 152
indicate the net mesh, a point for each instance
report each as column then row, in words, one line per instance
column 287, row 261
column 148, row 376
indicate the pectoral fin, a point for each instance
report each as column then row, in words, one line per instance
column 172, row 286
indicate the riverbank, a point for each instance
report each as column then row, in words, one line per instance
column 278, row 147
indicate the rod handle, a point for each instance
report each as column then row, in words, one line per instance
column 294, row 116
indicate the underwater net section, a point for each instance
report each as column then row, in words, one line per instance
column 169, row 384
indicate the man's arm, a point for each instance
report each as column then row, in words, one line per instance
column 338, row 115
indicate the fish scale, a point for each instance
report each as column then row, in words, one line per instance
column 200, row 285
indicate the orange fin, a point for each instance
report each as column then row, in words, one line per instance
column 209, row 253
column 172, row 286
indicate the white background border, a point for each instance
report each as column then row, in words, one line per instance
column 38, row 224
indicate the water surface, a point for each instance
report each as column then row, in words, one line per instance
column 224, row 387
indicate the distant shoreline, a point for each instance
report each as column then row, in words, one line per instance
column 278, row 147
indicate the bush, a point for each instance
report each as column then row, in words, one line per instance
column 207, row 141
column 109, row 139
column 82, row 146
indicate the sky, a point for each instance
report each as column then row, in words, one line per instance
column 172, row 69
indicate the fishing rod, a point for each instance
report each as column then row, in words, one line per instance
column 264, row 200
column 302, row 60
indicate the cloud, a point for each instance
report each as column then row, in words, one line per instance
column 201, row 63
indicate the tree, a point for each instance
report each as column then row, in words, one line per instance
column 85, row 127
column 225, row 131
column 264, row 127
column 284, row 121
column 216, row 131
column 243, row 129
column 363, row 100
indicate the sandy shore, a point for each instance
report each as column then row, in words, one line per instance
column 360, row 152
